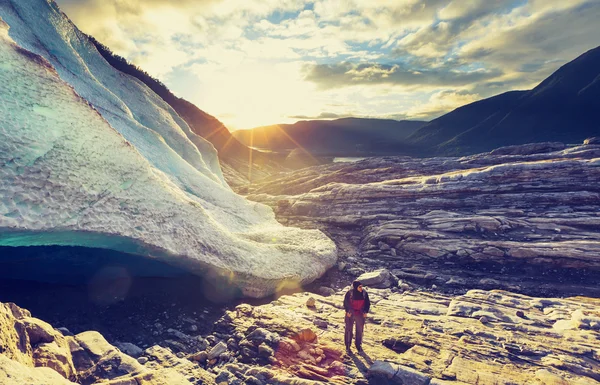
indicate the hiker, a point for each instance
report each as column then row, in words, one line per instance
column 357, row 305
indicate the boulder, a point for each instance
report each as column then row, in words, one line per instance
column 379, row 279
column 321, row 323
column 305, row 335
column 265, row 350
column 16, row 373
column 55, row 355
column 398, row 374
column 217, row 350
column 325, row 291
column 129, row 349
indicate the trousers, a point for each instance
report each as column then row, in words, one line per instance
column 359, row 320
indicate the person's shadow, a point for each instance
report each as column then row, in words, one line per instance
column 362, row 361
column 366, row 357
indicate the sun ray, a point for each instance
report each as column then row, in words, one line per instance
column 250, row 153
column 216, row 130
column 227, row 143
column 298, row 145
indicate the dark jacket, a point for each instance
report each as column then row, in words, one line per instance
column 364, row 295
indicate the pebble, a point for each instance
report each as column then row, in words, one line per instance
column 321, row 323
column 142, row 360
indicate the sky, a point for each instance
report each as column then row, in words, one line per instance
column 259, row 62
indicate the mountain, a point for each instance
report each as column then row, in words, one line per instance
column 344, row 137
column 92, row 157
column 562, row 108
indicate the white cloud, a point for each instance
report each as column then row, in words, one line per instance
column 368, row 57
column 440, row 103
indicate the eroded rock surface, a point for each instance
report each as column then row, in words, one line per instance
column 412, row 337
column 523, row 218
column 33, row 352
column 416, row 337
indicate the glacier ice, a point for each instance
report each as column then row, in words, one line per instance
column 91, row 157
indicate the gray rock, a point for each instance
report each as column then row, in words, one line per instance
column 202, row 344
column 383, row 369
column 355, row 271
column 379, row 279
column 178, row 334
column 455, row 281
column 65, row 332
column 321, row 323
column 410, row 376
column 259, row 335
column 217, row 350
column 490, row 282
column 398, row 373
column 325, row 291
column 403, row 286
column 265, row 350
column 129, row 349
column 200, row 357
column 251, row 380
column 223, row 377
column 142, row 360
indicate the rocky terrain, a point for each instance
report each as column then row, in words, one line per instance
column 481, row 270
column 412, row 337
column 523, row 218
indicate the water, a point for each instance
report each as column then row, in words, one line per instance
column 347, row 159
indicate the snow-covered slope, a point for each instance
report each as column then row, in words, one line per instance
column 91, row 157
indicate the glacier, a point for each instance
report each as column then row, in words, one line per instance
column 92, row 157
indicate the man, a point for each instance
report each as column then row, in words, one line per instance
column 357, row 305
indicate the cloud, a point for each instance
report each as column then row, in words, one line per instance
column 438, row 39
column 440, row 103
column 259, row 62
column 534, row 41
column 159, row 35
column 545, row 36
column 348, row 74
column 322, row 115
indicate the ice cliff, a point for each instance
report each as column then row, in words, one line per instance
column 92, row 157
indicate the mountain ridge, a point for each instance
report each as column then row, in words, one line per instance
column 344, row 136
column 561, row 108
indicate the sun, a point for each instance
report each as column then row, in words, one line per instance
column 256, row 93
